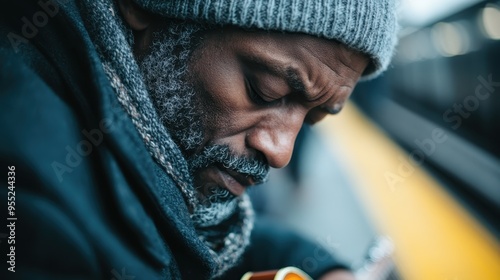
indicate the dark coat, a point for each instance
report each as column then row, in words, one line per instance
column 90, row 201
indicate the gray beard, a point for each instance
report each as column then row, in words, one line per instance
column 220, row 201
column 165, row 72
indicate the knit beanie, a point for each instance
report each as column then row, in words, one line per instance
column 369, row 26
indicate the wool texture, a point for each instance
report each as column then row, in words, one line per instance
column 369, row 26
column 225, row 242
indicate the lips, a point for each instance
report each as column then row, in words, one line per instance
column 231, row 183
column 243, row 180
column 231, row 180
column 235, row 182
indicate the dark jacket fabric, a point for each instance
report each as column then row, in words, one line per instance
column 89, row 199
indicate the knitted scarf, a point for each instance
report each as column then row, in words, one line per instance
column 226, row 241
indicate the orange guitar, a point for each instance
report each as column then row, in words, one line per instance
column 287, row 273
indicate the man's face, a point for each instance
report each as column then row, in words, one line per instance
column 249, row 93
column 258, row 88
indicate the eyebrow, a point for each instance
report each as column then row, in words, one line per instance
column 292, row 78
column 290, row 74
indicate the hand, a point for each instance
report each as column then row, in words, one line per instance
column 339, row 274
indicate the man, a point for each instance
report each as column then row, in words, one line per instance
column 135, row 127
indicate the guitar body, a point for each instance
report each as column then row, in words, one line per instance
column 287, row 273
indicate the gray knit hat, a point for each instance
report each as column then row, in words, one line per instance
column 368, row 26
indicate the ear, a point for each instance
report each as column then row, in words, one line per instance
column 140, row 21
column 137, row 18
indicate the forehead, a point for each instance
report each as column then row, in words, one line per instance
column 317, row 63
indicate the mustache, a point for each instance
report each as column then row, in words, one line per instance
column 221, row 155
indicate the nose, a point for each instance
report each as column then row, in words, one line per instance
column 275, row 138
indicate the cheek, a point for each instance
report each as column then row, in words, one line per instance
column 222, row 98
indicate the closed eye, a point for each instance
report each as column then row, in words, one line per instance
column 257, row 96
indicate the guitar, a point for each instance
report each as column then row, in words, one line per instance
column 378, row 265
column 287, row 273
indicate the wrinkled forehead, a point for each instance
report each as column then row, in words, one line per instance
column 295, row 50
column 306, row 65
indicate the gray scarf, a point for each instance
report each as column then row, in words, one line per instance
column 226, row 242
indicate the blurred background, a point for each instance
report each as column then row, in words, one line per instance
column 412, row 165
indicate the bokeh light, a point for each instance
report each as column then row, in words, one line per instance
column 490, row 20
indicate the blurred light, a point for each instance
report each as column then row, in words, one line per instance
column 424, row 12
column 491, row 21
column 450, row 39
column 416, row 46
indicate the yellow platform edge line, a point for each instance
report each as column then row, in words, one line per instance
column 435, row 237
